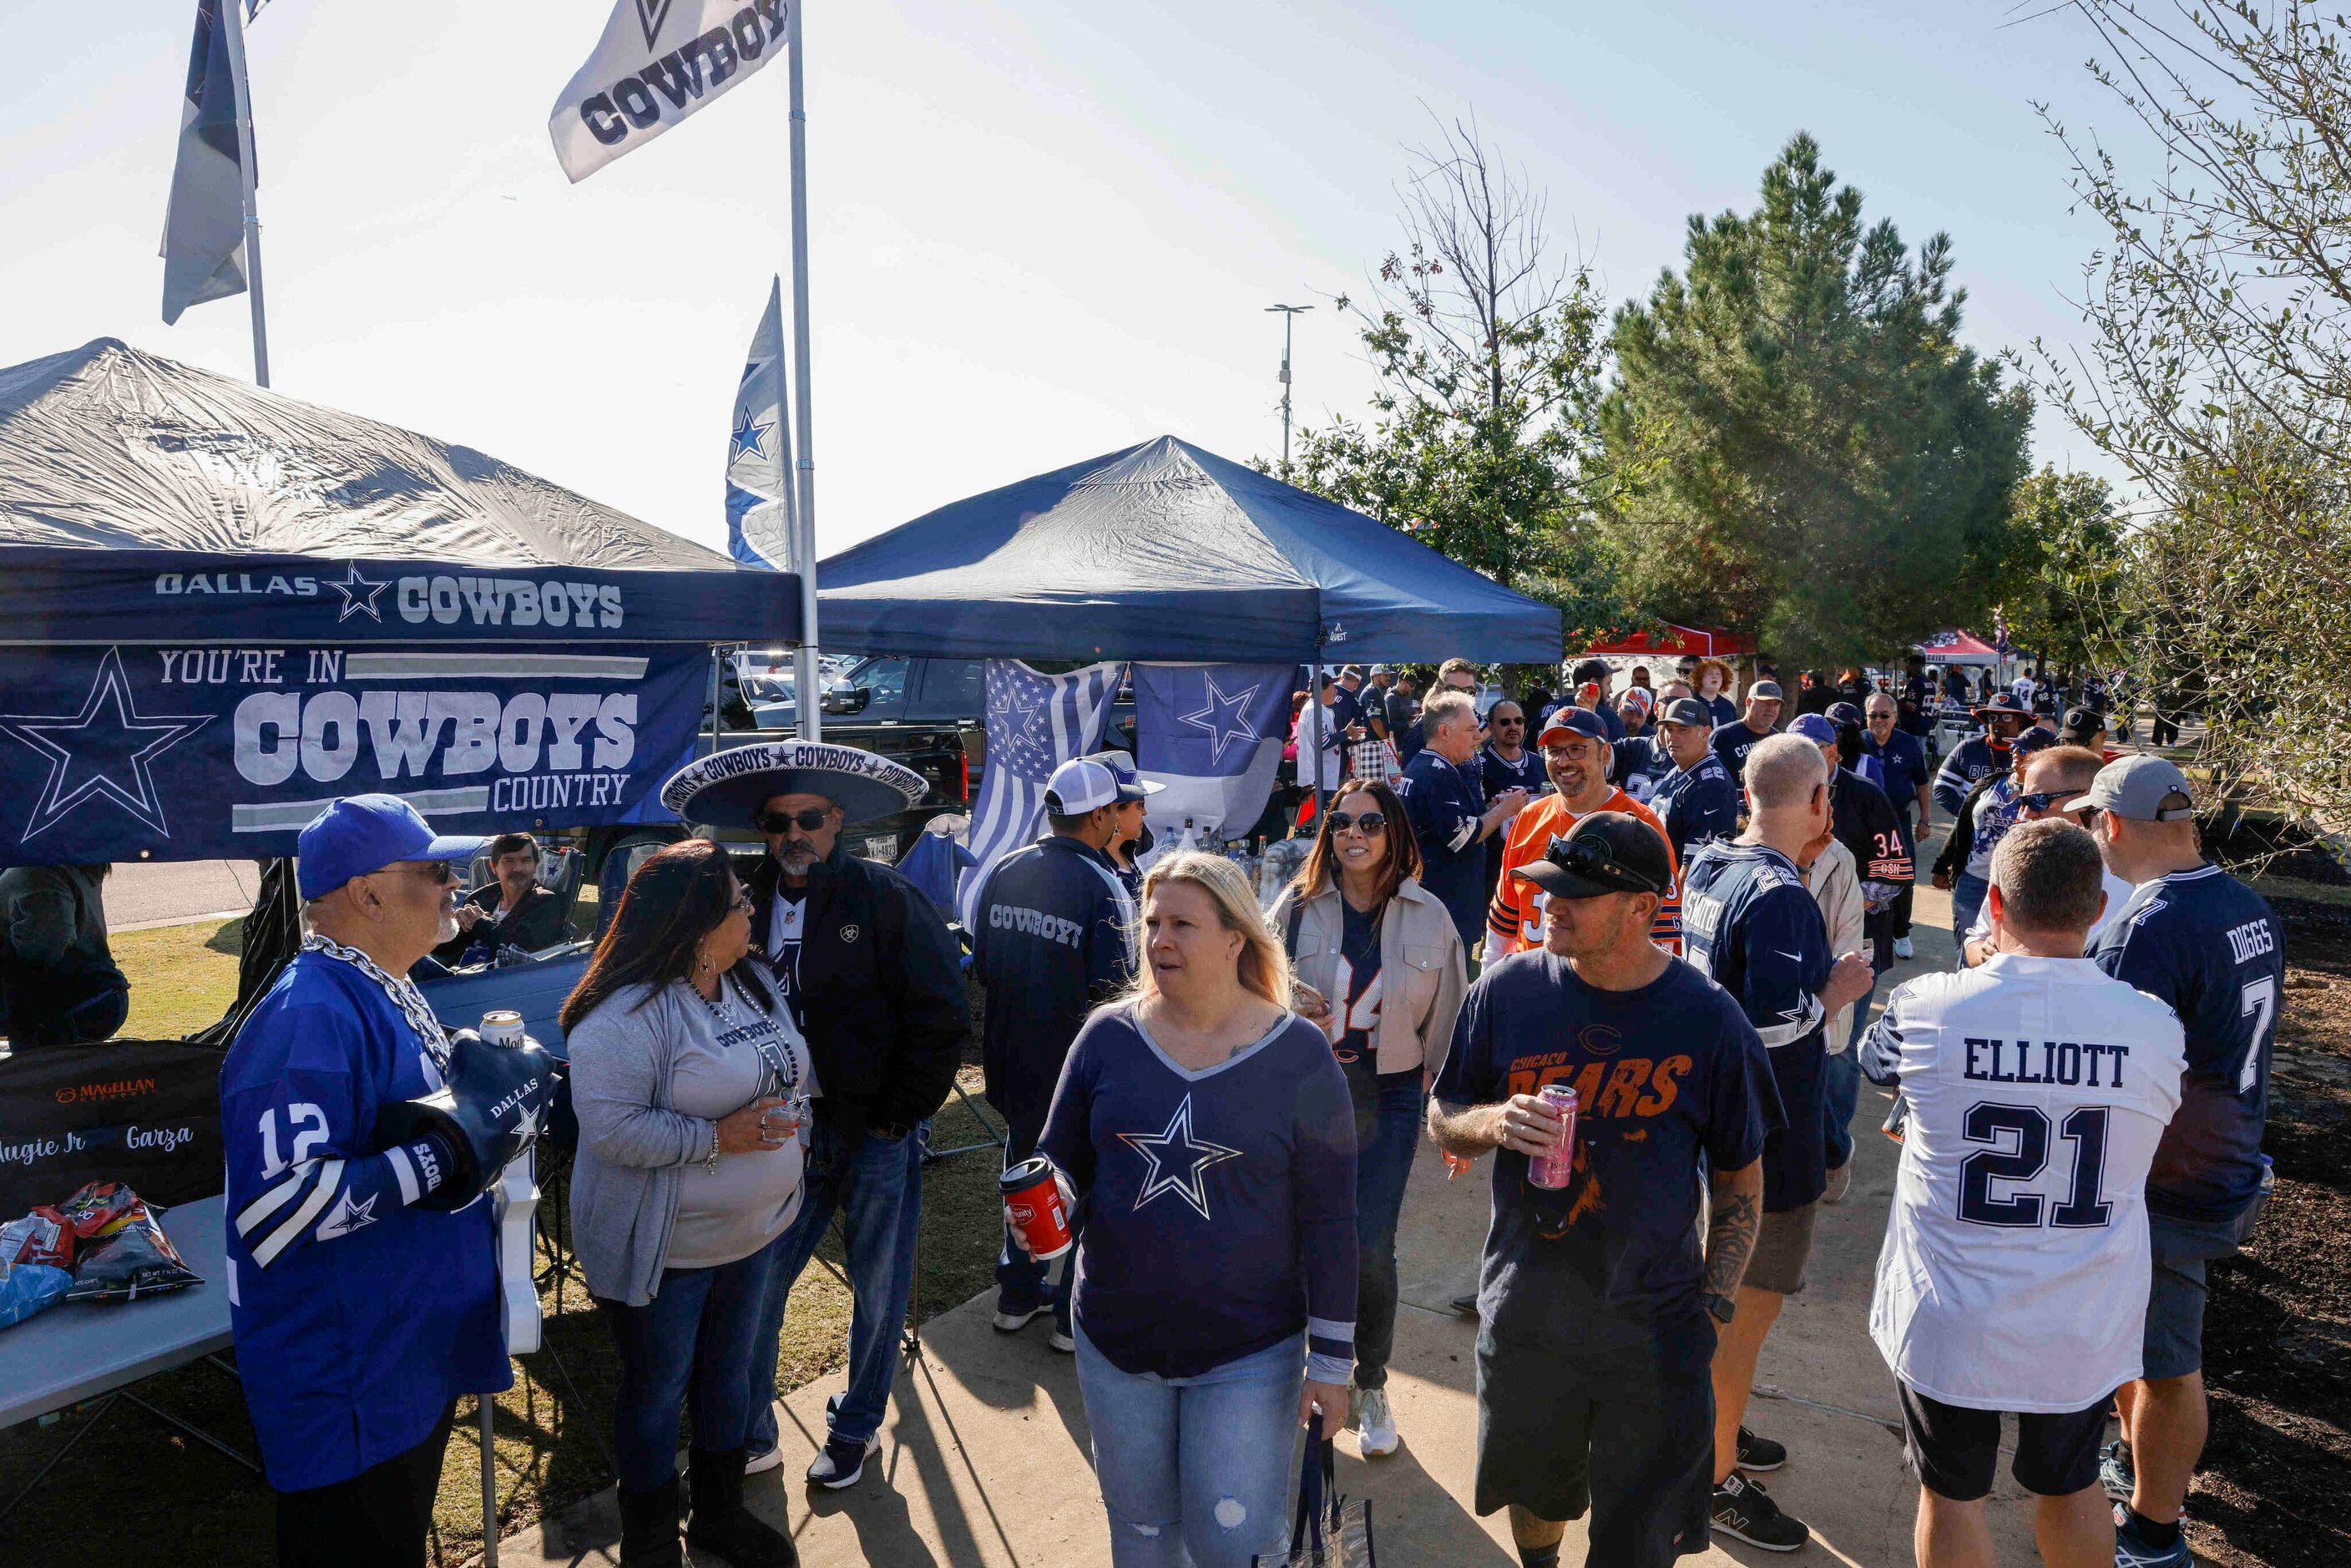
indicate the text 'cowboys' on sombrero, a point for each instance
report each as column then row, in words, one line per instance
column 729, row 787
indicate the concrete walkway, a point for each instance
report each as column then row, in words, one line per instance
column 984, row 1459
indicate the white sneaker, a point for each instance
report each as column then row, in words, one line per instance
column 1063, row 1343
column 757, row 1459
column 1374, row 1422
column 1902, row 947
column 1840, row 1177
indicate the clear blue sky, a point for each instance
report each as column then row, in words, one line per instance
column 1043, row 229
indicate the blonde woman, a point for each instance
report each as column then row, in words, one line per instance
column 1381, row 969
column 1206, row 1131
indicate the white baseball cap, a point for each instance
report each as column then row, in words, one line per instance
column 1079, row 786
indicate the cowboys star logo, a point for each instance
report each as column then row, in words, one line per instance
column 345, row 1216
column 1177, row 1161
column 104, row 749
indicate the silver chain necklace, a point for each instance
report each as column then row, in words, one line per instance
column 403, row 994
column 782, row 1066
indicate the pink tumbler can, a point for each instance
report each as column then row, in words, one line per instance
column 1552, row 1170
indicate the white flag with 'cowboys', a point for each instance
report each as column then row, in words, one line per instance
column 658, row 61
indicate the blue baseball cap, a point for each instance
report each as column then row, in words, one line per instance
column 363, row 833
column 1814, row 728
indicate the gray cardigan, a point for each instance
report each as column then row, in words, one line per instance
column 632, row 1146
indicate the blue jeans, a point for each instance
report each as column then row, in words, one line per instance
column 1387, row 1134
column 878, row 1188
column 1022, row 1283
column 1195, row 1471
column 691, row 1344
column 1840, row 1086
column 1968, row 894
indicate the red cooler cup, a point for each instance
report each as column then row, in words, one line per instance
column 1032, row 1203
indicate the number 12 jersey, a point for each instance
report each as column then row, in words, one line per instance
column 2015, row 1269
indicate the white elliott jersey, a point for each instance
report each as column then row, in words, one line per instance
column 2014, row 1274
column 2118, row 898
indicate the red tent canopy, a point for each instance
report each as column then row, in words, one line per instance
column 1699, row 642
column 1958, row 647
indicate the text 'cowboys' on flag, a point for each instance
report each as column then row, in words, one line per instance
column 1035, row 723
column 759, row 451
column 658, row 61
column 1213, row 734
column 204, row 222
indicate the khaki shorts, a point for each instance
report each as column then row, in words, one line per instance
column 1784, row 1245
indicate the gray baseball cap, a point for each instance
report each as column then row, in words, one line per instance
column 1688, row 711
column 2141, row 788
column 1769, row 689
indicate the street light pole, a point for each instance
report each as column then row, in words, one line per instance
column 1290, row 313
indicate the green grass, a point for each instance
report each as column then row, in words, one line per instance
column 134, row 1490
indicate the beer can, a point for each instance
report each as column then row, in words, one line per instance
column 1552, row 1170
column 1033, row 1204
column 502, row 1026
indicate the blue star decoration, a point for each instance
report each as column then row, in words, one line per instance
column 751, row 437
column 359, row 594
column 1177, row 1161
column 104, row 749
column 347, row 1216
column 1225, row 718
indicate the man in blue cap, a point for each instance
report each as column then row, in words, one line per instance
column 362, row 1277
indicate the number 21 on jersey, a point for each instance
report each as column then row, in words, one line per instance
column 2018, row 1136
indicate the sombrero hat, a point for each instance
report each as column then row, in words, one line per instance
column 729, row 786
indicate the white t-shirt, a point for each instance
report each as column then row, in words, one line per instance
column 2015, row 1269
column 1334, row 755
column 2118, row 895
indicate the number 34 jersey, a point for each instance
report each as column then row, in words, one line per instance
column 2014, row 1273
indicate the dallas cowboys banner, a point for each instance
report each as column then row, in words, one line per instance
column 125, row 751
column 1213, row 734
column 658, row 61
column 1035, row 723
column 759, row 450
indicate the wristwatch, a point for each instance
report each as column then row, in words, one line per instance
column 1723, row 1307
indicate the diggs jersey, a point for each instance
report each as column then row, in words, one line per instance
column 1514, row 920
column 2014, row 1274
column 1697, row 805
column 2209, row 946
column 1749, row 922
column 357, row 1318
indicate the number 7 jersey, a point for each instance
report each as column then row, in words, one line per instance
column 2014, row 1273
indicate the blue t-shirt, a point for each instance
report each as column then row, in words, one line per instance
column 1219, row 1204
column 1749, row 922
column 353, row 1340
column 2208, row 945
column 1725, row 711
column 1446, row 804
column 1665, row 1076
column 1697, row 805
column 1357, row 1003
column 1731, row 743
column 1903, row 762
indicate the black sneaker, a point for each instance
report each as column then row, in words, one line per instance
column 1745, row 1511
column 840, row 1464
column 1760, row 1453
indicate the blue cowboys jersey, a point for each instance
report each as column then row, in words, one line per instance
column 1697, row 805
column 2208, row 945
column 357, row 1318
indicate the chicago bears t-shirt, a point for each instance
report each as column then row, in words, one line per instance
column 1664, row 1075
column 2209, row 946
column 1749, row 922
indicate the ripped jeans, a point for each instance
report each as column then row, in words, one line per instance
column 1195, row 1471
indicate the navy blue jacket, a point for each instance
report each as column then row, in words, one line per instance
column 1053, row 935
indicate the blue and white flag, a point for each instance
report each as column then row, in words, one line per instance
column 759, row 450
column 657, row 62
column 1035, row 723
column 1213, row 734
column 204, row 222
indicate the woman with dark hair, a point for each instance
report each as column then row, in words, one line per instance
column 691, row 1083
column 1378, row 966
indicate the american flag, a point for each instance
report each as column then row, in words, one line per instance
column 1035, row 723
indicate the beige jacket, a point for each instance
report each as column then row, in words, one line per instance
column 1423, row 974
column 1834, row 883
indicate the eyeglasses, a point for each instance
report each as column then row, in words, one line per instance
column 1573, row 751
column 742, row 901
column 1370, row 822
column 1591, row 858
column 809, row 820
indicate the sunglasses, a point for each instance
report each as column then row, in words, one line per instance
column 441, row 873
column 1510, row 723
column 2053, row 801
column 808, row 820
column 1591, row 859
column 1369, row 821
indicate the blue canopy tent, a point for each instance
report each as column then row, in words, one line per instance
column 1167, row 552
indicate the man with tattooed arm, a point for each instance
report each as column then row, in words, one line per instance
column 1597, row 1309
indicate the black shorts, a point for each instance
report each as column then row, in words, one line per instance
column 1626, row 1433
column 1954, row 1451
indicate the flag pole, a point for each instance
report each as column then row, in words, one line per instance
column 234, row 32
column 811, row 701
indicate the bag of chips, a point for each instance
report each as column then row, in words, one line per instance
column 29, row 1288
column 130, row 1257
column 43, row 1237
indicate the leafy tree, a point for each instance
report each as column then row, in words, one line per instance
column 2218, row 372
column 1484, row 442
column 1820, row 461
column 2067, row 571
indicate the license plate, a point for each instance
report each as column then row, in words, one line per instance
column 882, row 847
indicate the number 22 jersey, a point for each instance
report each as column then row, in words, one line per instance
column 2014, row 1273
